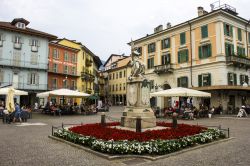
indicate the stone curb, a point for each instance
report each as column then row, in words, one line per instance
column 112, row 157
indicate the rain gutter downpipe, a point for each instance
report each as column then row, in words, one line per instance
column 191, row 53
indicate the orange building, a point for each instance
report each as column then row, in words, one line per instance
column 62, row 67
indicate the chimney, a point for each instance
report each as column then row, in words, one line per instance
column 168, row 25
column 200, row 11
column 158, row 28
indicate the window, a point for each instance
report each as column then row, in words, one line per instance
column 124, row 73
column 116, row 75
column 120, row 74
column 66, row 68
column 205, row 51
column 228, row 30
column 54, row 83
column 204, row 79
column 113, row 76
column 183, row 56
column 241, row 51
column 109, row 87
column 229, row 49
column 116, row 87
column 65, row 83
column 151, row 82
column 120, row 87
column 33, row 78
column 113, row 88
column 73, row 71
column 182, row 82
column 244, row 79
column 183, row 38
column 34, row 58
column 204, row 32
column 55, row 53
column 110, row 76
column 73, row 84
column 165, row 43
column 73, row 58
column 17, row 39
column 239, row 34
column 20, row 25
column 55, row 67
column 34, row 42
column 165, row 59
column 66, row 56
column 124, row 86
column 151, row 48
column 232, row 78
column 150, row 63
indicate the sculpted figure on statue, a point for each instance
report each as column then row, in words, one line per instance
column 138, row 68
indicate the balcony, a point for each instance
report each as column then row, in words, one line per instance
column 51, row 70
column 23, row 64
column 53, row 87
column 161, row 69
column 87, row 77
column 241, row 62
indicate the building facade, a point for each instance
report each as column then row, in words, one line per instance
column 24, row 58
column 209, row 52
column 117, row 70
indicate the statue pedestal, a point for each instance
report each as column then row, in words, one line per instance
column 138, row 105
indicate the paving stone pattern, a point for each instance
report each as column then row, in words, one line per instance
column 30, row 145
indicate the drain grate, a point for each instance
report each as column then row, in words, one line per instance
column 134, row 161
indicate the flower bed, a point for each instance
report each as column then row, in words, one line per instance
column 116, row 141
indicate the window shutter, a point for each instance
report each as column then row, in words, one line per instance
column 168, row 58
column 228, row 79
column 244, row 52
column 186, row 78
column 246, row 79
column 200, row 52
column 226, row 49
column 162, row 59
column 179, row 57
column 235, row 79
column 231, row 31
column 162, row 44
column 178, row 82
column 37, row 79
column 28, row 78
column 232, row 49
column 186, row 55
column 58, row 54
column 148, row 63
column 238, row 50
column 209, row 79
column 200, row 80
column 225, row 29
column 241, row 79
column 209, row 50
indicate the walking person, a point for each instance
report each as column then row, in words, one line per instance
column 18, row 112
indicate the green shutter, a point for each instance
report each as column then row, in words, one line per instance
column 225, row 29
column 243, row 52
column 235, row 79
column 186, row 55
column 232, row 49
column 200, row 52
column 209, row 79
column 209, row 50
column 200, row 80
column 226, row 49
column 178, row 82
column 239, row 34
column 179, row 57
column 246, row 79
column 228, row 79
column 204, row 31
column 231, row 31
column 238, row 50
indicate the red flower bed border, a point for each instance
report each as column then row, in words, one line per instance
column 107, row 133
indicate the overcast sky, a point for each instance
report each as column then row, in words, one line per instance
column 106, row 26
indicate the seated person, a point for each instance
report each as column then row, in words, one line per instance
column 242, row 112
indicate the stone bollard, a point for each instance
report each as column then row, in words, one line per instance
column 103, row 120
column 175, row 120
column 138, row 124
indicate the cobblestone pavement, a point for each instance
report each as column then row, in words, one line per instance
column 30, row 145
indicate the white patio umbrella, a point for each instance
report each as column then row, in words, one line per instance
column 63, row 92
column 4, row 91
column 10, row 100
column 180, row 92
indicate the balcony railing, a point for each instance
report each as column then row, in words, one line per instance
column 23, row 64
column 160, row 69
column 25, row 86
column 88, row 62
column 238, row 61
column 53, row 87
column 87, row 77
column 62, row 72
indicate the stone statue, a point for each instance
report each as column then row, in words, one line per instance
column 138, row 68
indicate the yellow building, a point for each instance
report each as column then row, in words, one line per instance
column 85, row 67
column 209, row 52
column 117, row 71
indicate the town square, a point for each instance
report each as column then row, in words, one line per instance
column 89, row 83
